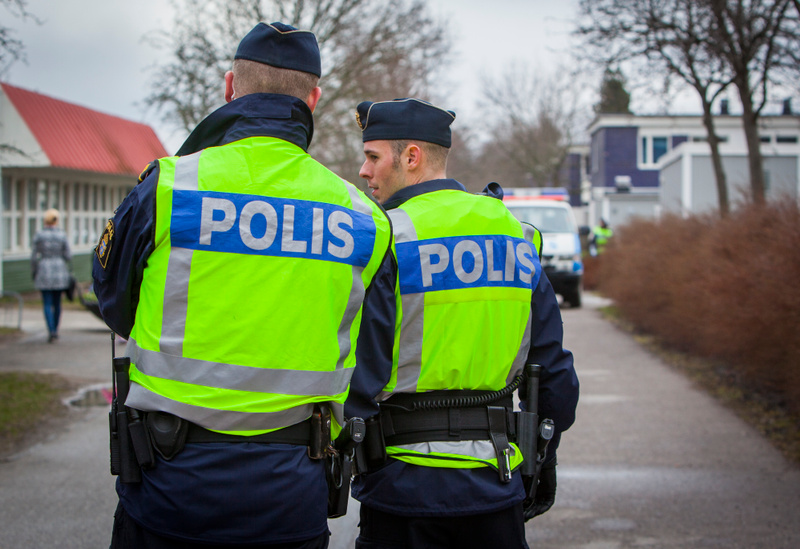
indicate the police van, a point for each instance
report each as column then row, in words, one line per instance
column 549, row 211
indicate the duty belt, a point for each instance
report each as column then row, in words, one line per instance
column 448, row 424
column 169, row 434
column 299, row 434
column 400, row 423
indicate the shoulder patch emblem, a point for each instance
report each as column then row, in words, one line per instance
column 103, row 249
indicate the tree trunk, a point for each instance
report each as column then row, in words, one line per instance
column 716, row 161
column 755, row 161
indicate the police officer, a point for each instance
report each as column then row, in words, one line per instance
column 600, row 237
column 238, row 270
column 474, row 306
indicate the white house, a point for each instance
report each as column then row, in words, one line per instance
column 61, row 155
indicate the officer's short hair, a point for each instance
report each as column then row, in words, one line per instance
column 253, row 77
column 437, row 155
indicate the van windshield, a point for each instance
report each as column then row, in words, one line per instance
column 546, row 219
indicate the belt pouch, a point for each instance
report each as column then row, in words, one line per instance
column 168, row 433
column 373, row 449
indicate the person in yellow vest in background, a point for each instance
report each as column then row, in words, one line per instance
column 441, row 460
column 238, row 269
column 600, row 237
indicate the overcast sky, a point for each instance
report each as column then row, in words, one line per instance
column 95, row 52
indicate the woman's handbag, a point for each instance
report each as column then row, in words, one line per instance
column 70, row 291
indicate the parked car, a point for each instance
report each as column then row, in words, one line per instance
column 561, row 246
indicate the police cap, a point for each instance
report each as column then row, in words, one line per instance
column 281, row 46
column 406, row 118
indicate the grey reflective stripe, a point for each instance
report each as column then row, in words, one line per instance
column 176, row 290
column 354, row 301
column 186, row 170
column 528, row 232
column 357, row 290
column 238, row 378
column 478, row 449
column 358, row 199
column 176, row 301
column 522, row 354
column 409, row 364
column 217, row 420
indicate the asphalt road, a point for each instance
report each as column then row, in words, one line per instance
column 651, row 461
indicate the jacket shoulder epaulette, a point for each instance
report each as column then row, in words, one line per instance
column 146, row 171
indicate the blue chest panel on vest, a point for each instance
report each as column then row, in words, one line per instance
column 258, row 225
column 467, row 262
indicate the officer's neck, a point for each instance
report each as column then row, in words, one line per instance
column 422, row 175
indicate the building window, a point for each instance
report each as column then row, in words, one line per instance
column 653, row 147
column 6, row 194
column 786, row 139
column 765, row 138
column 85, row 208
column 8, row 200
column 659, row 148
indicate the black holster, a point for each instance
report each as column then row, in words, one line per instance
column 533, row 435
column 371, row 454
column 130, row 446
column 340, row 466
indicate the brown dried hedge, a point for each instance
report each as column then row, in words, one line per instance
column 726, row 289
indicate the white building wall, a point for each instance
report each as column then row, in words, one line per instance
column 15, row 133
column 670, row 183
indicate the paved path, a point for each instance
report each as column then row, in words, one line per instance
column 651, row 462
column 59, row 493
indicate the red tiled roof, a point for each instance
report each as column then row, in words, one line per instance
column 78, row 138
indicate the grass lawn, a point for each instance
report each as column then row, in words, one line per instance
column 29, row 403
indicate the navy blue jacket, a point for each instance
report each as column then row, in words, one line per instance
column 217, row 492
column 411, row 490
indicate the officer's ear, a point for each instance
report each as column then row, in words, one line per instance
column 412, row 156
column 229, row 92
column 313, row 98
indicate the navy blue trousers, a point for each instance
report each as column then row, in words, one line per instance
column 505, row 528
column 128, row 534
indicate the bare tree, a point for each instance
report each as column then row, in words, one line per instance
column 754, row 38
column 666, row 39
column 12, row 50
column 371, row 49
column 463, row 164
column 530, row 119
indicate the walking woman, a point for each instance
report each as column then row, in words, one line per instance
column 50, row 268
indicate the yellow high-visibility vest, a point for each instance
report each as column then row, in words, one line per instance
column 251, row 301
column 467, row 269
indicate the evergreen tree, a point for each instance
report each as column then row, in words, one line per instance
column 614, row 98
